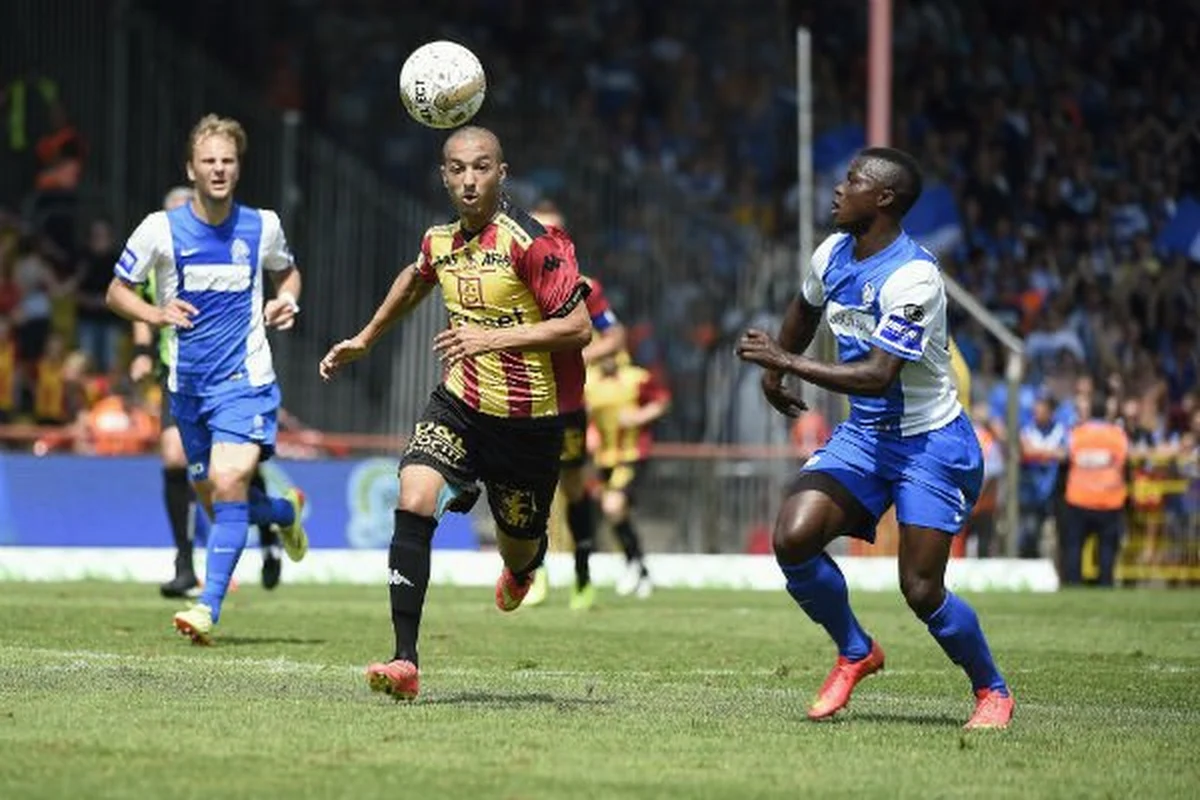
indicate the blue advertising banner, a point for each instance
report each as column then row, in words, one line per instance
column 77, row 501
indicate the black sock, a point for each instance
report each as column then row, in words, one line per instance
column 629, row 540
column 583, row 530
column 524, row 574
column 177, row 495
column 408, row 578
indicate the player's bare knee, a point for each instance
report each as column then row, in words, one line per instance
column 572, row 483
column 613, row 506
column 799, row 533
column 420, row 488
column 171, row 447
column 923, row 593
column 229, row 484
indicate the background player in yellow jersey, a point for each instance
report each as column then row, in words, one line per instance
column 517, row 324
column 608, row 338
column 623, row 401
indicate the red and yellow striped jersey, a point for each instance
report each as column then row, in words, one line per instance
column 512, row 272
column 609, row 398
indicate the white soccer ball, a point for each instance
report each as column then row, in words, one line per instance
column 442, row 84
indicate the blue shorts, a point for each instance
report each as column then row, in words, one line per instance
column 237, row 413
column 933, row 478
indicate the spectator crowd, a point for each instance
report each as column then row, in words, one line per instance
column 666, row 131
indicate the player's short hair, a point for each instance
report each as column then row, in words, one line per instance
column 177, row 195
column 474, row 130
column 903, row 175
column 216, row 125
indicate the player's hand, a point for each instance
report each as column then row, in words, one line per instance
column 280, row 313
column 140, row 367
column 463, row 341
column 760, row 348
column 341, row 354
column 629, row 418
column 176, row 313
column 779, row 396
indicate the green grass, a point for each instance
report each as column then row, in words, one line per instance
column 688, row 695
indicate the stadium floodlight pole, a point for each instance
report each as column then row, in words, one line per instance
column 879, row 73
column 805, row 212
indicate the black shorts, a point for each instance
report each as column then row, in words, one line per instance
column 624, row 478
column 517, row 460
column 574, row 449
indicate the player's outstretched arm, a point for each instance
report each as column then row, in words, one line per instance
column 407, row 292
column 571, row 331
column 868, row 377
column 607, row 342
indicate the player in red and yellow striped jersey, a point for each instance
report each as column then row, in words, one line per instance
column 623, row 400
column 608, row 338
column 512, row 367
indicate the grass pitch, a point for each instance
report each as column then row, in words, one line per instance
column 688, row 695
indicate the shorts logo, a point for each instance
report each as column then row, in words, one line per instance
column 239, row 252
column 514, row 506
column 551, row 263
column 257, row 427
column 439, row 442
column 914, row 313
column 196, row 470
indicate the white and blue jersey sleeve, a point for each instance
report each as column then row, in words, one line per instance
column 149, row 246
column 275, row 255
column 813, row 287
column 912, row 303
column 894, row 300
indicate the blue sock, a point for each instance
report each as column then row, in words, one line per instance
column 266, row 510
column 819, row 588
column 957, row 630
column 225, row 542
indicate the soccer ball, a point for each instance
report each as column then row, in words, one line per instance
column 442, row 84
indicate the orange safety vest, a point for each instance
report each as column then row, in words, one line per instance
column 116, row 430
column 1096, row 475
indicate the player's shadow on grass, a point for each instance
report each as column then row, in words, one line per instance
column 513, row 700
column 929, row 720
column 240, row 640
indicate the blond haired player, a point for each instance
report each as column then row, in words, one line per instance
column 208, row 257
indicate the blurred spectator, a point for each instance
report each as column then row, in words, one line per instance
column 116, row 425
column 1043, row 448
column 983, row 515
column 1096, row 493
column 35, row 284
column 8, row 371
column 100, row 331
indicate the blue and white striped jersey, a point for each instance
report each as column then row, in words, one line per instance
column 219, row 270
column 895, row 300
